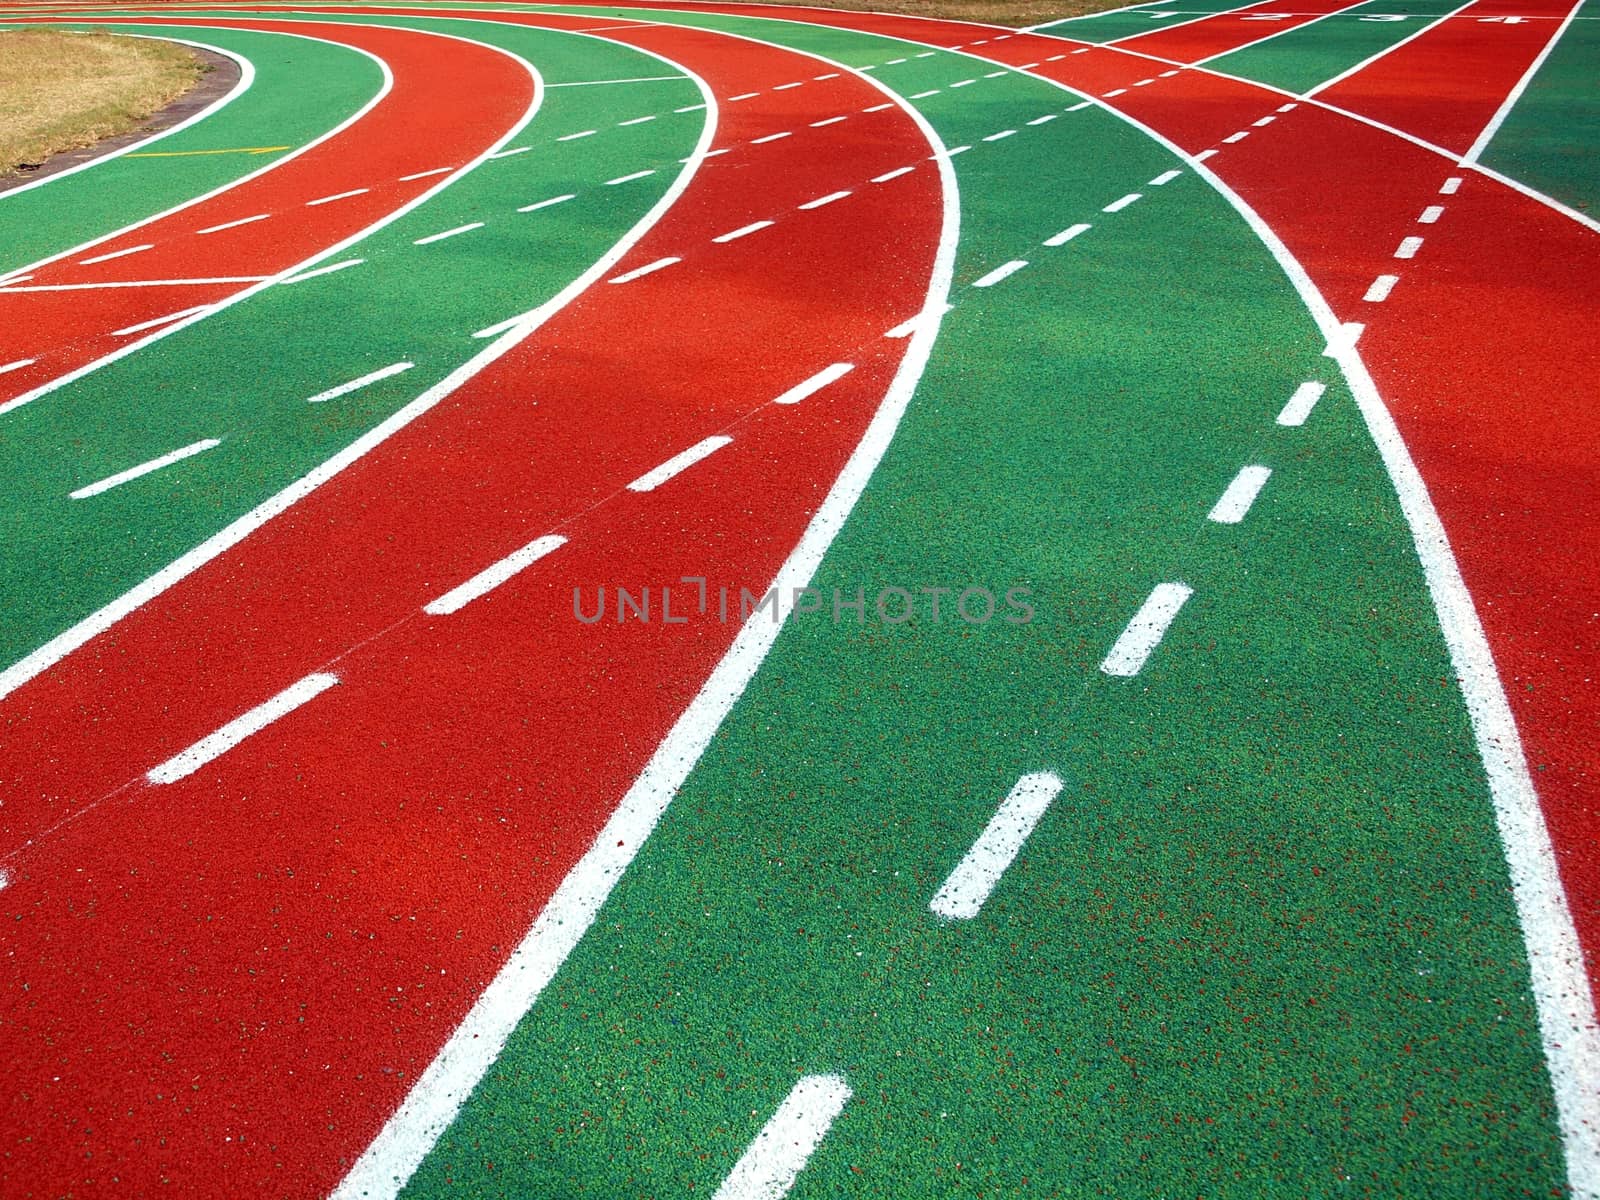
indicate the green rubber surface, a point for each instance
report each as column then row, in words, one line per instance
column 1122, row 23
column 1260, row 944
column 302, row 89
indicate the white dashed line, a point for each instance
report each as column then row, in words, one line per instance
column 151, row 324
column 1055, row 58
column 907, row 328
column 1408, row 248
column 1237, row 137
column 1381, row 287
column 771, row 137
column 638, row 272
column 1081, row 105
column 1145, row 631
column 100, row 258
column 996, row 74
column 448, row 233
column 1290, row 107
column 879, row 107
column 338, row 196
column 926, row 94
column 1349, row 334
column 636, row 121
column 1301, row 403
column 771, row 1164
column 1168, row 74
column 1083, row 50
column 969, row 886
column 548, row 203
column 235, row 224
column 927, row 54
column 511, row 153
column 1431, row 214
column 629, row 178
column 1004, row 271
column 492, row 577
column 744, row 96
column 963, row 83
column 815, row 384
column 1066, row 235
column 1204, row 154
column 1450, row 187
column 1114, row 92
column 821, row 200
column 1122, row 203
column 894, row 174
column 1143, row 82
column 689, row 108
column 1164, row 178
column 826, row 121
column 426, row 174
column 1028, row 66
column 582, row 133
column 950, row 153
column 784, row 87
column 1044, row 120
column 230, row 735
column 1004, row 133
column 355, row 385
column 679, row 463
column 742, row 231
column 894, row 62
column 829, row 75
column 18, row 365
column 500, row 327
column 1239, row 495
column 328, row 270
column 155, row 464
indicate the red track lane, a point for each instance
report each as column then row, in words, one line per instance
column 270, row 950
column 1211, row 36
column 1446, row 86
column 427, row 120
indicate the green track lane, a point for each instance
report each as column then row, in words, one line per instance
column 1147, row 18
column 1550, row 139
column 302, row 89
column 1263, row 942
column 244, row 374
column 1301, row 58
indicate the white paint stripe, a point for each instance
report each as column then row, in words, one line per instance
column 772, row 1163
column 18, row 365
column 5, row 880
column 1044, row 120
column 1203, row 155
column 1143, row 82
column 155, row 464
column 472, row 1048
column 500, row 327
column 784, row 87
column 1164, row 178
column 1237, row 137
column 1004, row 271
column 877, row 108
column 1263, row 122
column 1515, row 94
column 1450, row 186
column 1004, row 133
column 829, row 75
column 572, row 137
column 743, row 231
column 955, row 150
column 771, row 137
column 1168, row 74
column 1067, row 234
column 1115, row 92
column 1301, row 403
column 1080, row 106
column 635, row 79
column 1027, row 66
column 355, row 385
column 823, row 124
column 1431, row 214
column 926, row 54
column 338, row 196
column 815, row 384
column 822, row 200
column 894, row 62
column 689, row 108
column 1347, row 336
column 234, row 224
column 215, row 745
column 1144, row 633
column 996, row 74
column 492, row 577
column 640, row 272
column 426, row 174
column 1408, row 247
column 926, row 94
column 1380, row 289
column 894, row 174
column 511, row 153
column 1122, row 203
column 629, row 178
column 678, row 463
column 448, row 233
column 1285, row 108
column 548, row 203
column 969, row 886
column 154, row 321
column 327, row 270
column 100, row 258
column 125, row 283
column 1240, row 495
column 636, row 121
column 963, row 83
column 744, row 96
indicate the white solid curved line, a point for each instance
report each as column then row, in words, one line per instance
column 247, row 76
column 437, row 1096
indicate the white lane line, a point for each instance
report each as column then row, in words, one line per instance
column 1408, row 248
column 1119, row 204
column 996, row 74
column 894, row 174
column 1450, row 186
column 493, row 576
column 771, row 1164
column 154, row 321
column 582, row 133
column 1237, row 137
column 1027, row 66
column 926, row 54
column 829, row 75
column 100, row 258
column 824, row 123
column 629, row 178
column 1081, row 105
column 1055, row 58
column 953, row 151
column 1430, row 214
column 1083, row 50
column 18, row 365
column 1004, row 271
column 1263, row 122
column 689, row 108
column 1290, row 107
column 1301, row 403
column 636, row 121
column 236, row 224
column 426, row 174
column 966, row 889
column 1004, row 133
column 605, row 82
column 448, row 233
column 744, row 96
column 1204, row 154
column 328, row 270
column 771, row 137
column 815, row 384
column 1164, row 178
column 511, row 153
column 1380, row 289
column 338, row 196
column 784, row 87
column 155, row 464
column 1240, row 495
column 678, row 463
column 963, row 83
column 500, row 327
column 821, row 200
column 355, row 385
column 894, row 62
column 637, row 272
column 1044, row 120
column 877, row 108
column 215, row 745
column 742, row 231
column 1349, row 334
column 1144, row 633
column 1066, row 235
column 926, row 94
column 548, row 203
column 1167, row 74
column 1114, row 92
